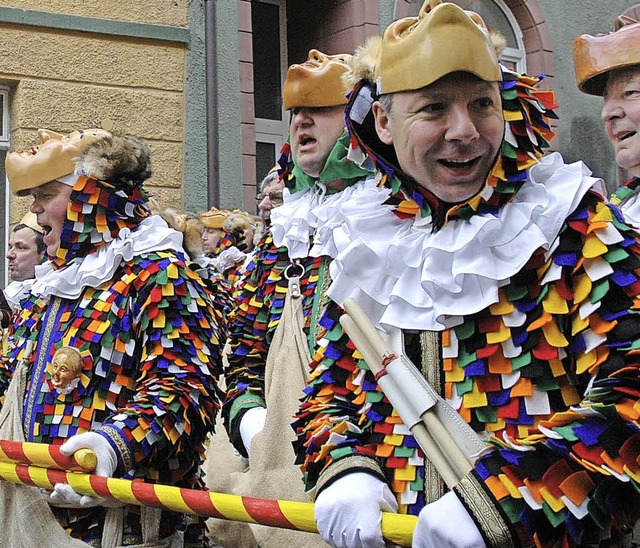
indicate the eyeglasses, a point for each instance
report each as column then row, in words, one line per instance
column 275, row 197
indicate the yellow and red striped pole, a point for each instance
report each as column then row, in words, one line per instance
column 47, row 456
column 396, row 528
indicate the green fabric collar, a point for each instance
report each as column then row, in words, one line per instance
column 337, row 166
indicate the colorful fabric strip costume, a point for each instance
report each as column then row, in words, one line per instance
column 299, row 243
column 148, row 337
column 532, row 287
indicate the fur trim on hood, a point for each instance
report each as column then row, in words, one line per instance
column 121, row 160
column 108, row 196
column 188, row 224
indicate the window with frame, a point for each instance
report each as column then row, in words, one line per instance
column 497, row 16
column 633, row 11
column 4, row 112
column 4, row 195
column 268, row 18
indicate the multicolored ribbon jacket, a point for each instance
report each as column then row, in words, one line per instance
column 150, row 336
column 539, row 342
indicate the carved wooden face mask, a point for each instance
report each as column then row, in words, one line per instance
column 595, row 56
column 66, row 368
column 444, row 38
column 53, row 158
column 317, row 82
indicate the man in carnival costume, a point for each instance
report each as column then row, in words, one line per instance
column 271, row 188
column 608, row 65
column 26, row 250
column 117, row 346
column 284, row 287
column 513, row 286
column 224, row 243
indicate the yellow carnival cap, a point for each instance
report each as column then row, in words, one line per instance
column 214, row 218
column 595, row 56
column 52, row 158
column 316, row 82
column 444, row 38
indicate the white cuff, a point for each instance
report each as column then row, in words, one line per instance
column 251, row 423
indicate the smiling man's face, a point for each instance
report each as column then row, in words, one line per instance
column 621, row 115
column 446, row 135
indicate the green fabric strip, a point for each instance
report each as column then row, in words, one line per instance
column 337, row 166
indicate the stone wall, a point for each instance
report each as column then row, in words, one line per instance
column 118, row 65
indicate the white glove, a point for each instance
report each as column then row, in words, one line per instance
column 63, row 494
column 228, row 258
column 251, row 423
column 446, row 522
column 107, row 459
column 348, row 513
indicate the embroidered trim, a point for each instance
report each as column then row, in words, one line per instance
column 320, row 301
column 431, row 366
column 346, row 465
column 246, row 401
column 37, row 378
column 486, row 516
column 114, row 435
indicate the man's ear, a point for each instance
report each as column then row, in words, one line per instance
column 383, row 120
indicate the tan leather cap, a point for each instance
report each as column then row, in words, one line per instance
column 317, row 82
column 214, row 218
column 444, row 38
column 595, row 56
column 52, row 158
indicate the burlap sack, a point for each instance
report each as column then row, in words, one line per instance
column 221, row 469
column 272, row 471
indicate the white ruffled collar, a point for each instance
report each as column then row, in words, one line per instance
column 405, row 275
column 152, row 234
column 307, row 225
column 16, row 291
column 631, row 209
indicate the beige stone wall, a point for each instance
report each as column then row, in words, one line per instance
column 65, row 80
column 163, row 12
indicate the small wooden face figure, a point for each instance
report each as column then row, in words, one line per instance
column 65, row 369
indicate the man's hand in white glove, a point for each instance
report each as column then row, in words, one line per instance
column 446, row 522
column 348, row 513
column 63, row 494
column 251, row 423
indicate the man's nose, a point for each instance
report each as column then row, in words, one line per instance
column 461, row 125
column 265, row 203
column 611, row 110
column 302, row 117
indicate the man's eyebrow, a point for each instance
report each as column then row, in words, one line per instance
column 479, row 86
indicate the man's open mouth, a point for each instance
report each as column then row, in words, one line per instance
column 460, row 164
column 626, row 135
column 304, row 141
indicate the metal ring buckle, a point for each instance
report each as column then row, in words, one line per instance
column 290, row 272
